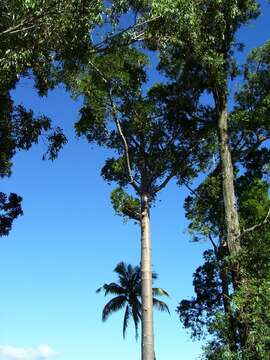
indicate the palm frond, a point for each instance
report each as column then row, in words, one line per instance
column 126, row 319
column 121, row 269
column 136, row 315
column 113, row 305
column 123, row 273
column 154, row 275
column 136, row 308
column 160, row 305
column 112, row 288
column 160, row 292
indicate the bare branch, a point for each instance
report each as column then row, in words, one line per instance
column 136, row 35
column 119, row 128
column 165, row 182
column 14, row 28
column 194, row 192
column 214, row 245
column 103, row 78
column 22, row 29
column 256, row 226
column 125, row 144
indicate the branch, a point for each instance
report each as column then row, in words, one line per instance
column 119, row 128
column 32, row 20
column 14, row 31
column 214, row 245
column 135, row 35
column 125, row 144
column 165, row 182
column 14, row 28
column 22, row 26
column 132, row 215
column 194, row 192
column 255, row 227
column 103, row 78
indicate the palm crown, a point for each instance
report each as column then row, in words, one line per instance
column 128, row 295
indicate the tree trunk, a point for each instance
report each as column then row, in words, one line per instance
column 221, row 251
column 230, row 206
column 227, row 309
column 147, row 341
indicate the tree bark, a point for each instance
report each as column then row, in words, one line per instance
column 230, row 205
column 227, row 309
column 147, row 340
column 233, row 231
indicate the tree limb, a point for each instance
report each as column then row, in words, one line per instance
column 125, row 144
column 27, row 22
column 256, row 226
column 119, row 128
column 194, row 192
column 165, row 182
column 214, row 245
column 135, row 36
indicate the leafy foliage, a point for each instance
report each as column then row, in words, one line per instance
column 200, row 311
column 37, row 39
column 125, row 204
column 37, row 34
column 216, row 307
column 159, row 134
column 10, row 209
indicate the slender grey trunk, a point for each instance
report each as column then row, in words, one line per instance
column 230, row 206
column 147, row 341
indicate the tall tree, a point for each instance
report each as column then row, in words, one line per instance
column 152, row 143
column 128, row 291
column 205, row 32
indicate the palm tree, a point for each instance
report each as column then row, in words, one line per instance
column 128, row 291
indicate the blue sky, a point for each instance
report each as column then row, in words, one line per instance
column 69, row 240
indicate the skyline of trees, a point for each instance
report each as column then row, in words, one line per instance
column 158, row 133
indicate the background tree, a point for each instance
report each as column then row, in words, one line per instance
column 19, row 129
column 37, row 39
column 128, row 291
column 217, row 307
column 205, row 32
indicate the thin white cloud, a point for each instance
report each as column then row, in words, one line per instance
column 42, row 352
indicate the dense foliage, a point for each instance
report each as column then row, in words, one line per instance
column 37, row 39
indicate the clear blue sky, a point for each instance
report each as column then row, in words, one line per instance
column 69, row 240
